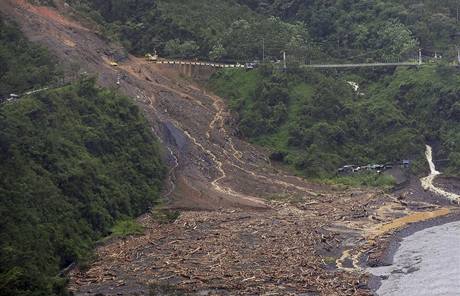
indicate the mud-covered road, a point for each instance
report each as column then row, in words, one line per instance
column 246, row 228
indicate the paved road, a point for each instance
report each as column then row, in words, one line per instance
column 221, row 65
column 362, row 65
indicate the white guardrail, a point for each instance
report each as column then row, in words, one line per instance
column 214, row 65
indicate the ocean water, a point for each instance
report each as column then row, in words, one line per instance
column 426, row 264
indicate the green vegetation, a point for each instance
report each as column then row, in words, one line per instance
column 329, row 260
column 428, row 99
column 74, row 160
column 164, row 216
column 22, row 65
column 380, row 28
column 365, row 179
column 315, row 121
column 218, row 30
column 357, row 30
column 126, row 227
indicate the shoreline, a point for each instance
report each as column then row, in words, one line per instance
column 393, row 242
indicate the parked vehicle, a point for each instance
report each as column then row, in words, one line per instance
column 250, row 66
column 347, row 169
column 13, row 97
column 379, row 168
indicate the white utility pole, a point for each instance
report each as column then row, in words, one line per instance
column 284, row 60
column 420, row 56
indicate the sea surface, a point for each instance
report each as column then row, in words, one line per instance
column 426, row 264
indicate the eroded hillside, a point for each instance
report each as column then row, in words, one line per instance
column 246, row 227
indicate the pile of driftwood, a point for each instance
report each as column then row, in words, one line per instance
column 230, row 252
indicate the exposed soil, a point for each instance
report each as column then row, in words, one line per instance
column 246, row 228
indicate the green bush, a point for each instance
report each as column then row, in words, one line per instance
column 126, row 227
column 365, row 179
column 164, row 216
column 74, row 161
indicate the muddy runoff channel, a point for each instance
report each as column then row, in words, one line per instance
column 427, row 262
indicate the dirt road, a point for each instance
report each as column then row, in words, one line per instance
column 246, row 228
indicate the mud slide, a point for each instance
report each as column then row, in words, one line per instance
column 210, row 169
column 246, row 228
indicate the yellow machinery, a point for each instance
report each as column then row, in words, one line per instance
column 151, row 57
column 113, row 64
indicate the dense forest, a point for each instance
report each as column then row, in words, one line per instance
column 317, row 121
column 74, row 160
column 217, row 30
column 347, row 28
column 22, row 65
column 308, row 31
